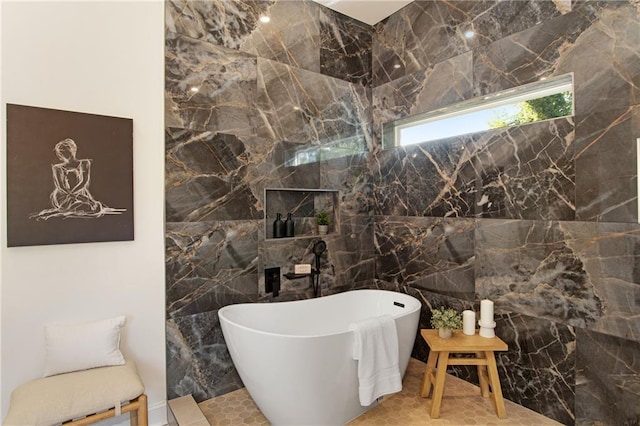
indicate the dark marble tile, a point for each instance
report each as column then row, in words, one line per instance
column 345, row 47
column 308, row 108
column 534, row 268
column 198, row 362
column 352, row 254
column 440, row 178
column 505, row 18
column 537, row 371
column 606, row 165
column 526, row 172
column 583, row 274
column 427, row 32
column 611, row 257
column 208, row 87
column 607, row 380
column 388, row 172
column 292, row 37
column 605, row 59
column 432, row 254
column 205, row 177
column 527, row 56
column 227, row 23
column 350, row 176
column 210, row 265
column 578, row 273
column 418, row 36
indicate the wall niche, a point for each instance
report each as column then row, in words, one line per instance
column 304, row 205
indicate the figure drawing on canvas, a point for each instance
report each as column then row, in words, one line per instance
column 69, row 177
column 71, row 197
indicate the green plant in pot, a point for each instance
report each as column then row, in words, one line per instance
column 323, row 221
column 445, row 320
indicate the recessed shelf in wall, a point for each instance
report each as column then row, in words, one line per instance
column 304, row 204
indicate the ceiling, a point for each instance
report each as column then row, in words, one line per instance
column 368, row 11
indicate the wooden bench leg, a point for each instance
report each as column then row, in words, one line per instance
column 438, row 390
column 494, row 381
column 139, row 417
column 429, row 374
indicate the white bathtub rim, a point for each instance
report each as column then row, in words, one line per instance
column 222, row 317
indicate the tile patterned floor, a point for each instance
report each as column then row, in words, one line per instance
column 461, row 405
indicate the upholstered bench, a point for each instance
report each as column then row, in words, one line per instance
column 86, row 379
column 85, row 396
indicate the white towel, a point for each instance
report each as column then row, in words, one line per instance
column 375, row 348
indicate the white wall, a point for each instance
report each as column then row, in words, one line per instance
column 104, row 58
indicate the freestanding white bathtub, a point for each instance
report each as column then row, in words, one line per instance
column 295, row 358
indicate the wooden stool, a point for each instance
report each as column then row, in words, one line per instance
column 482, row 347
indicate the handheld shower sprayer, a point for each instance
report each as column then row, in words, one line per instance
column 319, row 247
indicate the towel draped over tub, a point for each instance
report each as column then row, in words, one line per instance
column 376, row 350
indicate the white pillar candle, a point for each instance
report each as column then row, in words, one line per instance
column 486, row 312
column 469, row 323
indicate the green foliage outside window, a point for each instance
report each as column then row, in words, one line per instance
column 552, row 106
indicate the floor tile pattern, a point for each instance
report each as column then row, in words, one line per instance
column 461, row 405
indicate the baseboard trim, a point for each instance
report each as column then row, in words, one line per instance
column 158, row 414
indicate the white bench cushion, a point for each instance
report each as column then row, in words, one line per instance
column 69, row 396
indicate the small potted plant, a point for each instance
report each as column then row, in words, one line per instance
column 445, row 320
column 323, row 221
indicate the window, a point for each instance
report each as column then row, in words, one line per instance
column 542, row 100
column 327, row 151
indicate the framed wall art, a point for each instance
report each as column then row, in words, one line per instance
column 69, row 177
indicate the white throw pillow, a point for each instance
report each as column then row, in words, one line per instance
column 73, row 347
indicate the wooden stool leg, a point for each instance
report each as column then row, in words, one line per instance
column 429, row 374
column 443, row 359
column 494, row 381
column 482, row 376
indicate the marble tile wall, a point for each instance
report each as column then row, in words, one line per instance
column 542, row 219
column 241, row 97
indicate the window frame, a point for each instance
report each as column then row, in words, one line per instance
column 536, row 90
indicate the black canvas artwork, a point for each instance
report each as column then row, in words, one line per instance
column 69, row 177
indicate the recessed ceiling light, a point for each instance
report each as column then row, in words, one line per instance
column 265, row 19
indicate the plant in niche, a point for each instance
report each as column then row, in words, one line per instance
column 446, row 318
column 323, row 218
